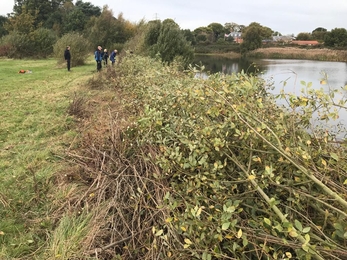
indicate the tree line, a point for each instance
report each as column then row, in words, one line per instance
column 39, row 28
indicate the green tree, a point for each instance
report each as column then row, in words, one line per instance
column 172, row 43
column 22, row 23
column 88, row 8
column 106, row 30
column 336, row 38
column 319, row 34
column 189, row 35
column 55, row 22
column 42, row 9
column 304, row 36
column 203, row 34
column 253, row 35
column 75, row 21
column 151, row 36
column 3, row 21
column 231, row 27
column 218, row 30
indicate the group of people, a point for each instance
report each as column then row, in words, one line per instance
column 99, row 55
column 102, row 56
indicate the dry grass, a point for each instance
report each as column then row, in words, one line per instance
column 115, row 185
column 299, row 53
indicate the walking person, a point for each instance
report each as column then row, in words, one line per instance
column 105, row 57
column 98, row 58
column 113, row 57
column 67, row 57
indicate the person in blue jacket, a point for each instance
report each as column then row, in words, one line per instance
column 113, row 57
column 98, row 58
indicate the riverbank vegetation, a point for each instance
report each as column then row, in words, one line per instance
column 145, row 161
column 323, row 54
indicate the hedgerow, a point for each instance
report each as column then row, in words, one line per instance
column 220, row 171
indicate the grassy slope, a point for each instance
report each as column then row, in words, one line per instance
column 34, row 128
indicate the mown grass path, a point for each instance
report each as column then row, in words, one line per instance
column 34, row 128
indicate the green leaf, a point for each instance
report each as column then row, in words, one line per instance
column 306, row 230
column 298, row 225
column 334, row 156
column 226, row 225
column 305, row 247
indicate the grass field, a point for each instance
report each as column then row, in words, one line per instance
column 35, row 128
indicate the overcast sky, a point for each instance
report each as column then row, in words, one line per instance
column 286, row 17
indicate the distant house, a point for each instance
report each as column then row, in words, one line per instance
column 308, row 43
column 236, row 35
column 282, row 38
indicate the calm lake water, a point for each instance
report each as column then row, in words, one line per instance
column 290, row 71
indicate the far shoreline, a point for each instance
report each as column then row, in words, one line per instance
column 288, row 53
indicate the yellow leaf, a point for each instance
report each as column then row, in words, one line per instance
column 187, row 241
column 239, row 233
column 345, row 182
column 289, row 255
column 169, row 254
column 168, row 220
column 297, row 179
column 198, row 212
column 229, row 236
column 159, row 233
column 251, row 177
column 324, row 162
column 293, row 233
column 2, row 233
column 183, row 228
column 323, row 82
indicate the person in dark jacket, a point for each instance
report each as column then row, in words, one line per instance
column 113, row 57
column 105, row 57
column 67, row 57
column 98, row 58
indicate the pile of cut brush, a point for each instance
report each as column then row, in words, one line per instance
column 181, row 168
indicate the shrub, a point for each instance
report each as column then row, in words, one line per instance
column 80, row 48
column 16, row 45
column 38, row 43
column 42, row 41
